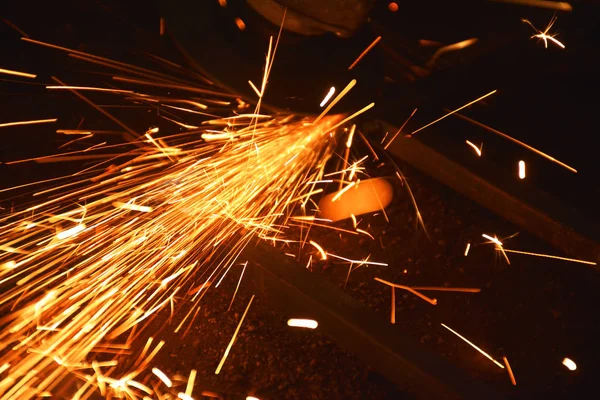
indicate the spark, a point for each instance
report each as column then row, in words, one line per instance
column 551, row 256
column 319, row 249
column 544, row 35
column 184, row 396
column 447, row 289
column 521, row 169
column 570, row 364
column 409, row 289
column 451, row 47
column 303, row 323
column 552, row 5
column 161, row 27
column 253, row 86
column 467, row 249
column 400, row 130
column 364, row 53
column 454, row 111
column 477, row 149
column 498, row 244
column 348, row 87
column 474, row 346
column 393, row 6
column 510, row 372
column 132, row 207
column 341, row 192
column 327, row 97
column 32, row 122
column 393, row 312
column 252, row 398
column 361, row 262
column 238, row 285
column 240, row 24
column 161, row 375
column 17, row 73
column 230, row 345
column 504, row 135
column 89, row 88
column 72, row 232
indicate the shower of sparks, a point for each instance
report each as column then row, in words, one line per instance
column 17, row 73
column 521, row 169
column 88, row 268
column 364, row 53
column 477, row 149
column 327, row 97
column 303, row 323
column 453, row 112
column 570, row 364
column 409, row 289
column 549, row 4
column 525, row 145
column 510, row 372
column 473, row 345
column 31, row 122
column 545, row 36
column 551, row 256
column 230, row 345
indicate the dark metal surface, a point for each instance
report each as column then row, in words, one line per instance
column 360, row 330
column 304, row 69
column 528, row 207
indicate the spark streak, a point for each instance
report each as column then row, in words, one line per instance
column 32, row 122
column 521, row 169
column 17, row 73
column 551, row 256
column 364, row 53
column 303, row 323
column 228, row 349
column 473, row 345
column 327, row 96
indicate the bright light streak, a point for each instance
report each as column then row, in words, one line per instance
column 16, row 73
column 552, row 5
column 252, row 398
column 473, row 345
column 477, row 149
column 69, row 233
column 570, row 364
column 319, row 249
column 364, row 53
column 327, row 97
column 521, row 169
column 544, row 35
column 409, row 289
column 161, row 375
column 510, row 372
column 551, row 256
column 184, row 396
column 230, row 345
column 492, row 239
column 454, row 111
column 32, row 122
column 467, row 249
column 132, row 207
column 498, row 244
column 303, row 323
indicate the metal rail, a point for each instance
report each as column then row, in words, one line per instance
column 360, row 330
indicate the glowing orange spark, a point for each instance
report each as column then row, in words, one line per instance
column 319, row 249
column 477, row 149
column 521, row 169
column 303, row 323
column 553, row 5
column 467, row 249
column 400, row 130
column 454, row 111
column 364, row 53
column 510, row 372
column 551, row 256
column 230, row 345
column 161, row 375
column 409, row 289
column 473, row 345
column 570, row 364
column 16, row 73
column 544, row 35
column 32, row 122
column 327, row 96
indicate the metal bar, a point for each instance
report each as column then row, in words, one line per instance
column 360, row 330
column 533, row 210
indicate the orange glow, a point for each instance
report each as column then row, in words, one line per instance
column 240, row 24
column 303, row 323
column 510, row 372
column 393, row 7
